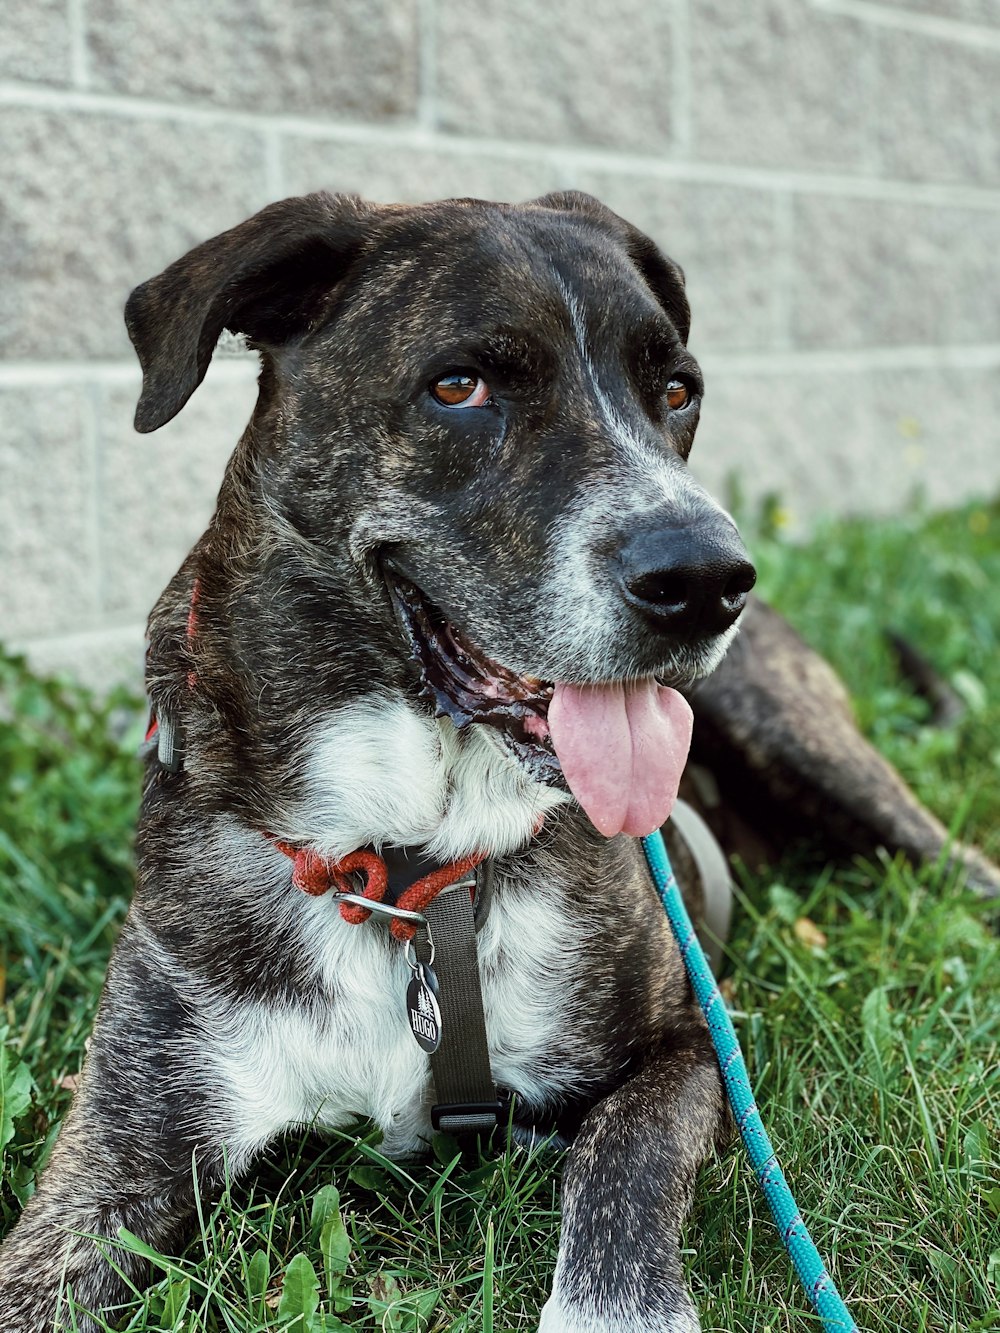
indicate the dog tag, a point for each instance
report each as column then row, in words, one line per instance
column 422, row 1008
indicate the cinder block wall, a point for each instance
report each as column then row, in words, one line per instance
column 827, row 172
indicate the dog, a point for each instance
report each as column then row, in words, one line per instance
column 456, row 580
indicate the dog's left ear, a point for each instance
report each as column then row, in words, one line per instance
column 664, row 276
column 267, row 278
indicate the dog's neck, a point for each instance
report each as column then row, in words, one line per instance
column 298, row 705
column 381, row 772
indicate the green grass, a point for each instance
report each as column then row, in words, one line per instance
column 867, row 998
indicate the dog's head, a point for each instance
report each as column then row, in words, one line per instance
column 485, row 411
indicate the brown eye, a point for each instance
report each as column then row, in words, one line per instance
column 677, row 395
column 460, row 389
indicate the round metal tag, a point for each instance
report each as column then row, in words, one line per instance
column 424, row 1014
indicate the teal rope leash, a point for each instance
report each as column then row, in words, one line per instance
column 815, row 1279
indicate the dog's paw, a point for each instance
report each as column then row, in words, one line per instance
column 560, row 1316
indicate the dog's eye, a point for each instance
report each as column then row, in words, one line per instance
column 460, row 389
column 678, row 395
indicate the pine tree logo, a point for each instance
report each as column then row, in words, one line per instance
column 424, row 1015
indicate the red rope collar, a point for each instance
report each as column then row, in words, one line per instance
column 315, row 875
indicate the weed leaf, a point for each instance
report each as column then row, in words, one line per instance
column 326, row 1203
column 335, row 1245
column 258, row 1276
column 397, row 1311
column 299, row 1295
column 15, row 1090
column 175, row 1301
column 368, row 1177
column 876, row 1023
column 976, row 1151
column 138, row 1246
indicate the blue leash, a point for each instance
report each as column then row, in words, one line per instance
column 815, row 1279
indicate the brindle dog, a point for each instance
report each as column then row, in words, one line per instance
column 462, row 494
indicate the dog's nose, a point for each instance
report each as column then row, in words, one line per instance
column 687, row 580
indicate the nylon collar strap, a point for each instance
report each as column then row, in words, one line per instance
column 466, row 1099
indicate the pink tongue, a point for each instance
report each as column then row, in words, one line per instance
column 622, row 749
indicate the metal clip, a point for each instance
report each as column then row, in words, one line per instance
column 410, row 953
column 372, row 905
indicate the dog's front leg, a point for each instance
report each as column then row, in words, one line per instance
column 125, row 1158
column 61, row 1242
column 627, row 1187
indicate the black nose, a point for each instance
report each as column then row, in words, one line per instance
column 687, row 580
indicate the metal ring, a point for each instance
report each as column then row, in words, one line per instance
column 372, row 905
column 459, row 884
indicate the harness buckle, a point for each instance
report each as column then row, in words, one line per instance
column 471, row 1117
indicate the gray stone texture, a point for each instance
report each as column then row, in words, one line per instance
column 779, row 84
column 858, row 441
column 47, row 511
column 96, row 658
column 158, row 491
column 34, row 41
column 829, row 181
column 921, row 137
column 94, row 204
column 308, row 57
column 868, row 273
column 944, row 425
column 562, row 72
column 804, row 434
column 392, row 173
column 724, row 239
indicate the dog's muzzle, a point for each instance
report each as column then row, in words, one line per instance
column 689, row 581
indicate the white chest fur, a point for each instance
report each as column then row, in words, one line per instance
column 331, row 1063
column 377, row 771
column 380, row 773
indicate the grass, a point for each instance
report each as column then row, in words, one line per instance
column 867, row 997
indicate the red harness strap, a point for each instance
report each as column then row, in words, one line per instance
column 192, row 630
column 315, row 875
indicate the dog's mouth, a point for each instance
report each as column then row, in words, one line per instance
column 620, row 747
column 463, row 684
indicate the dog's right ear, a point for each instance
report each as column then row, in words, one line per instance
column 267, row 278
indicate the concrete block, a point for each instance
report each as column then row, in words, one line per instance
column 35, row 43
column 922, row 83
column 94, row 204
column 47, row 520
column 722, row 237
column 860, row 441
column 357, row 61
column 99, row 659
column 561, row 72
column 158, row 491
column 870, row 273
column 941, row 427
column 803, row 438
column 780, row 85
column 398, row 173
